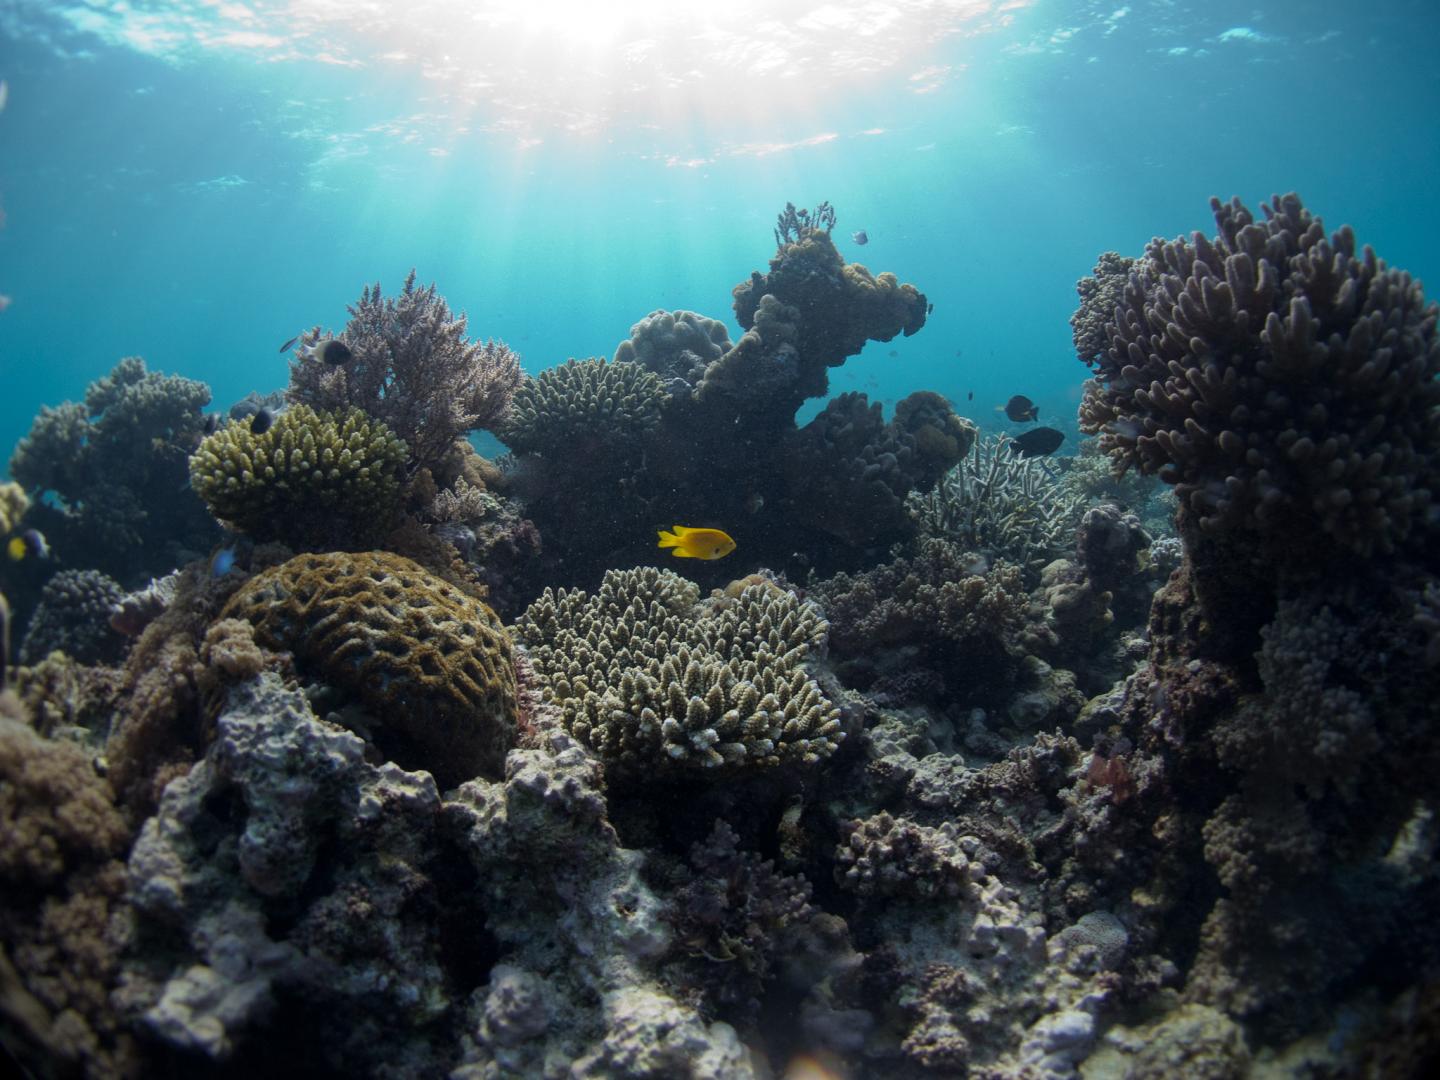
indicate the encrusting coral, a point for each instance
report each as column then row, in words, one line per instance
column 312, row 479
column 1283, row 381
column 653, row 680
column 412, row 368
column 432, row 662
column 583, row 406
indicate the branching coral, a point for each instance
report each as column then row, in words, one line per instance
column 1285, row 383
column 1001, row 505
column 888, row 856
column 582, row 406
column 412, row 368
column 433, row 663
column 652, row 680
column 312, row 479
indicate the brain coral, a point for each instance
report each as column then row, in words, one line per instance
column 312, row 479
column 649, row 678
column 1285, row 384
column 584, row 404
column 430, row 661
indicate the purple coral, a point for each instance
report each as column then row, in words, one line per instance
column 413, row 368
column 1284, row 383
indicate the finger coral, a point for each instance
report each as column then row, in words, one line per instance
column 584, row 405
column 1284, row 381
column 433, row 663
column 651, row 679
column 413, row 369
column 311, row 479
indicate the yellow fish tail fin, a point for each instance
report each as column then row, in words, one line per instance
column 669, row 539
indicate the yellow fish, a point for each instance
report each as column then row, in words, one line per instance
column 697, row 543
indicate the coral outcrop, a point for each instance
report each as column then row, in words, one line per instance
column 311, row 480
column 1283, row 380
column 74, row 617
column 655, row 681
column 115, row 467
column 412, row 368
column 431, row 662
column 676, row 345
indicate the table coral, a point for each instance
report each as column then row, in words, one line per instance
column 1283, row 381
column 312, row 479
column 652, row 679
column 412, row 369
column 433, row 663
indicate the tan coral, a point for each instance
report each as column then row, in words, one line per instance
column 430, row 660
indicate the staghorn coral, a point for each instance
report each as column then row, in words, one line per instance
column 74, row 617
column 676, row 345
column 1000, row 505
column 651, row 680
column 413, row 370
column 1285, row 384
column 116, row 468
column 431, row 662
column 312, row 479
column 584, row 406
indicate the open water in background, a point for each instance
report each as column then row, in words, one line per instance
column 195, row 182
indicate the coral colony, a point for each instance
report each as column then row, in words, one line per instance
column 335, row 747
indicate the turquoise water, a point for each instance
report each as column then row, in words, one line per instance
column 194, row 183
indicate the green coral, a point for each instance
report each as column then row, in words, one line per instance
column 431, row 661
column 311, row 479
column 584, row 404
column 649, row 677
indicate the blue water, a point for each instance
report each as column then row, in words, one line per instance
column 196, row 182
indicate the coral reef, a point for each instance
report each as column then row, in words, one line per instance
column 676, row 345
column 310, row 480
column 653, row 681
column 116, row 468
column 13, row 504
column 413, row 369
column 1284, row 383
column 1000, row 505
column 432, row 662
column 74, row 617
column 834, row 306
column 583, row 407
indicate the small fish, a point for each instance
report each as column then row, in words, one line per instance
column 289, row 344
column 29, row 544
column 262, row 421
column 211, row 424
column 223, row 562
column 696, row 543
column 970, row 396
column 330, row 351
column 1020, row 408
column 860, row 237
column 5, row 301
column 753, row 502
column 1037, row 442
column 894, row 353
column 4, row 94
